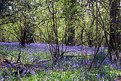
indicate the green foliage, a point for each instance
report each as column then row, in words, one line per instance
column 68, row 14
column 41, row 56
column 9, row 54
column 60, row 22
column 105, row 73
column 7, row 74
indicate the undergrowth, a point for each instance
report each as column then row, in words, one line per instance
column 82, row 73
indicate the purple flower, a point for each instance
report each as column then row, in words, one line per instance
column 75, row 65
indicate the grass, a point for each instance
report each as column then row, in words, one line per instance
column 104, row 73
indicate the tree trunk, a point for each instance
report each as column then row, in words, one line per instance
column 69, row 18
column 114, row 27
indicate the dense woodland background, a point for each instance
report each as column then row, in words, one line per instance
column 70, row 22
column 89, row 24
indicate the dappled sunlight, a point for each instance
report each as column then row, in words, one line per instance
column 60, row 40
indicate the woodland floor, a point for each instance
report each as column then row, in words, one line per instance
column 73, row 51
column 75, row 57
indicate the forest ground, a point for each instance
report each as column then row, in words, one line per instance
column 76, row 57
column 69, row 50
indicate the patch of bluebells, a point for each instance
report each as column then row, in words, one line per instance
column 32, row 48
column 43, row 47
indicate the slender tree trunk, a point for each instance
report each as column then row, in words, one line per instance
column 81, row 36
column 69, row 18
